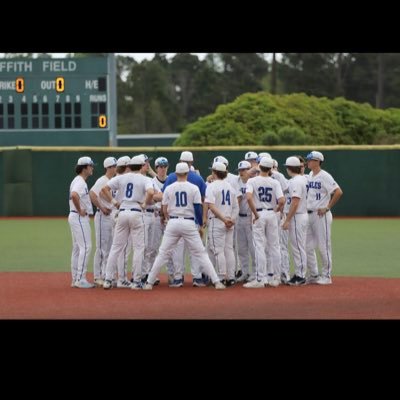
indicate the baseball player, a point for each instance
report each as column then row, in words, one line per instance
column 253, row 159
column 122, row 282
column 265, row 197
column 283, row 233
column 147, row 170
column 103, row 222
column 221, row 200
column 234, row 181
column 179, row 253
column 138, row 192
column 80, row 208
column 244, row 228
column 323, row 194
column 181, row 205
column 297, row 219
column 155, row 224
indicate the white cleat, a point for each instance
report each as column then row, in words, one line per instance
column 99, row 282
column 84, row 284
column 107, row 284
column 312, row 279
column 147, row 286
column 274, row 282
column 219, row 285
column 324, row 280
column 124, row 284
column 254, row 284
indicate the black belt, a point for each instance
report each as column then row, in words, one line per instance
column 310, row 211
column 73, row 211
column 130, row 209
column 191, row 218
column 244, row 215
column 149, row 210
column 261, row 209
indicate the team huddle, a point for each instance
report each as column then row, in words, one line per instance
column 250, row 219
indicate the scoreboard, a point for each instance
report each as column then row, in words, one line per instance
column 48, row 101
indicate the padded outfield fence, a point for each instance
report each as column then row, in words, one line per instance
column 34, row 181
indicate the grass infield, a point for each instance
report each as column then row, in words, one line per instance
column 361, row 247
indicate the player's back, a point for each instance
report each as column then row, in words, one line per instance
column 133, row 188
column 180, row 197
column 223, row 195
column 266, row 191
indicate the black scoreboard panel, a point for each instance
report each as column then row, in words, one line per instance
column 54, row 94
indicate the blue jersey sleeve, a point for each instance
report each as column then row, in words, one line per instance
column 198, row 212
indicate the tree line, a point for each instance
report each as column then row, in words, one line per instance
column 164, row 95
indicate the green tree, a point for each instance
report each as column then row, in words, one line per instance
column 241, row 73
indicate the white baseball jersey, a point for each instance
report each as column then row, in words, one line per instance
column 80, row 186
column 233, row 180
column 133, row 187
column 244, row 205
column 180, row 197
column 285, row 186
column 298, row 188
column 158, row 185
column 320, row 188
column 224, row 196
column 96, row 188
column 266, row 192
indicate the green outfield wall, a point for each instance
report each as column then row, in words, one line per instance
column 34, row 181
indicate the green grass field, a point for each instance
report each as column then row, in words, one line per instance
column 361, row 247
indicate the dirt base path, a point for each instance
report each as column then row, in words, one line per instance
column 27, row 295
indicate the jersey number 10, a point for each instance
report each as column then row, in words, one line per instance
column 181, row 199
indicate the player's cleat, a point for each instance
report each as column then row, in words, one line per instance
column 99, row 282
column 107, row 284
column 147, row 286
column 254, row 284
column 312, row 279
column 198, row 282
column 144, row 278
column 284, row 279
column 206, row 279
column 230, row 282
column 124, row 284
column 297, row 281
column 238, row 274
column 176, row 283
column 84, row 284
column 324, row 280
column 219, row 285
column 156, row 283
column 274, row 282
column 137, row 285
